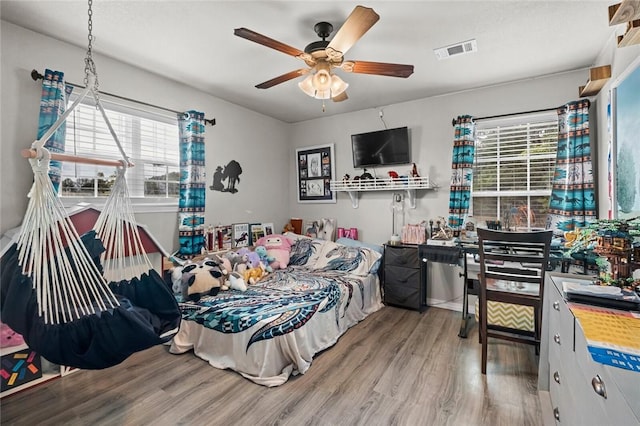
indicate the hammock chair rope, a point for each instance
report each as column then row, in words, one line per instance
column 68, row 283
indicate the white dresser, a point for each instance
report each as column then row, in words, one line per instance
column 581, row 391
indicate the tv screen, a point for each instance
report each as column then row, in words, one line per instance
column 381, row 148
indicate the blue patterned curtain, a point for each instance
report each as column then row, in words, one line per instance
column 573, row 200
column 192, row 184
column 53, row 103
column 461, row 170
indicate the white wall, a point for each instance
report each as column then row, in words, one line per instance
column 620, row 60
column 256, row 141
column 431, row 133
column 261, row 144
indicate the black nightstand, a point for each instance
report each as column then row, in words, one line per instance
column 404, row 277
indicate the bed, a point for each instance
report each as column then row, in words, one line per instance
column 273, row 330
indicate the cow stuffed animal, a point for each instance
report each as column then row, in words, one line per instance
column 200, row 279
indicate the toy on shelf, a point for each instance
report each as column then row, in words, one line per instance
column 414, row 171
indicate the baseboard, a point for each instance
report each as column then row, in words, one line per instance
column 450, row 305
column 445, row 304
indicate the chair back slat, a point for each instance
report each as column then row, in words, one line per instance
column 514, row 256
column 512, row 271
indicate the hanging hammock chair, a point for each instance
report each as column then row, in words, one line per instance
column 86, row 302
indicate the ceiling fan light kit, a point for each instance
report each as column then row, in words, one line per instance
column 324, row 56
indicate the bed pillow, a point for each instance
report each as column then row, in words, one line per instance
column 375, row 247
column 293, row 236
column 305, row 251
column 338, row 257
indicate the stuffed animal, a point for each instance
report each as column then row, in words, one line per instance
column 253, row 275
column 231, row 280
column 236, row 263
column 201, row 279
column 8, row 337
column 288, row 228
column 266, row 260
column 236, row 282
column 176, row 279
column 249, row 257
column 279, row 247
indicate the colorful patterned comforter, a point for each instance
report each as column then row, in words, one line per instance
column 274, row 329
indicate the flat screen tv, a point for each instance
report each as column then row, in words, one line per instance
column 381, row 148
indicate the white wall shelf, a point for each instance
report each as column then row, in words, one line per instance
column 409, row 185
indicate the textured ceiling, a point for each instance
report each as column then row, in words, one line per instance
column 193, row 42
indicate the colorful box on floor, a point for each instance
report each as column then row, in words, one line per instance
column 19, row 368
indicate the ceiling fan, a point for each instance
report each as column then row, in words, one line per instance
column 323, row 56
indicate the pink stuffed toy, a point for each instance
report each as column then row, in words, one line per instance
column 8, row 337
column 279, row 247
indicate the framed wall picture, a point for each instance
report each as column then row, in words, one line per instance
column 256, row 231
column 316, row 169
column 624, row 172
column 226, row 232
column 240, row 235
column 268, row 228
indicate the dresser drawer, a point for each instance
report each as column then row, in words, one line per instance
column 616, row 408
column 564, row 410
column 404, row 256
column 397, row 275
column 562, row 376
column 403, row 296
column 561, row 327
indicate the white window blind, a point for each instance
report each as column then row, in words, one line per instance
column 150, row 139
column 513, row 170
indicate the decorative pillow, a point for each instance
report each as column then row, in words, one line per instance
column 305, row 251
column 375, row 247
column 327, row 229
column 293, row 236
column 338, row 257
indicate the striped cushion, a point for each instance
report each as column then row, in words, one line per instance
column 508, row 315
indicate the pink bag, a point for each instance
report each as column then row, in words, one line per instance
column 414, row 234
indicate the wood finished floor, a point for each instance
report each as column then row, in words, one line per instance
column 397, row 367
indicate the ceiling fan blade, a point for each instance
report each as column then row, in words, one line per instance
column 266, row 41
column 358, row 23
column 378, row 68
column 341, row 97
column 281, row 79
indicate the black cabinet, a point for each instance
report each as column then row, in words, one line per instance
column 404, row 277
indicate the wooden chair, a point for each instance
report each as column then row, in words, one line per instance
column 512, row 269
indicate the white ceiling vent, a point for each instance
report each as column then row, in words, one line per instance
column 468, row 46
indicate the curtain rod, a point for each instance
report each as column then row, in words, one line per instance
column 453, row 122
column 35, row 75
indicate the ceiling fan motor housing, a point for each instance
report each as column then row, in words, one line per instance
column 323, row 29
column 316, row 46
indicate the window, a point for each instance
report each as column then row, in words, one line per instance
column 513, row 170
column 148, row 138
